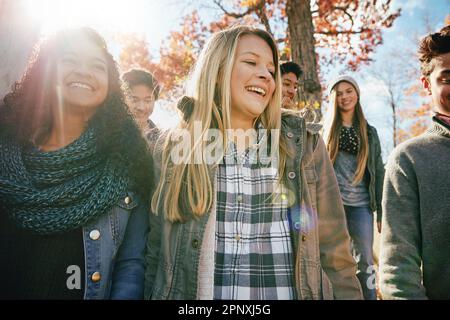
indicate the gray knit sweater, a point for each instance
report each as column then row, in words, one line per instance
column 415, row 240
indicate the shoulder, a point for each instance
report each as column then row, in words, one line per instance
column 408, row 153
column 158, row 144
column 294, row 120
column 372, row 131
column 8, row 145
column 371, row 128
column 309, row 133
column 291, row 119
column 415, row 145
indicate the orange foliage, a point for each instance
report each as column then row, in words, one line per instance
column 135, row 53
column 177, row 54
column 348, row 30
column 414, row 121
column 351, row 29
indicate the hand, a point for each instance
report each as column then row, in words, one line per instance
column 379, row 226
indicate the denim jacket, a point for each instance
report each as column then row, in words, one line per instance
column 324, row 267
column 114, row 247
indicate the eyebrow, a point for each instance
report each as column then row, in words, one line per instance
column 146, row 97
column 251, row 52
column 290, row 82
column 94, row 58
column 346, row 90
column 101, row 60
column 256, row 55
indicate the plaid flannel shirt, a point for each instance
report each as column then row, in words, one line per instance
column 254, row 258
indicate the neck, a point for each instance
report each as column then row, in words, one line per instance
column 142, row 123
column 243, row 124
column 65, row 129
column 347, row 118
column 243, row 139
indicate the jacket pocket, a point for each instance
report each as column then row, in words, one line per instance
column 311, row 180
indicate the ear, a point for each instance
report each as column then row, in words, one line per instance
column 426, row 84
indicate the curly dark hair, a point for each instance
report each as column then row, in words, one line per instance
column 26, row 114
column 431, row 46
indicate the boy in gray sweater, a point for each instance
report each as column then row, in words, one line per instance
column 415, row 240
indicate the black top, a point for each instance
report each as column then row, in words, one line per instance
column 38, row 267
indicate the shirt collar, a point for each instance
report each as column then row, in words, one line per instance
column 251, row 151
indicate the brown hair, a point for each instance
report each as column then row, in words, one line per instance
column 431, row 46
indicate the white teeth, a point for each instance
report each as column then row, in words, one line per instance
column 80, row 85
column 257, row 90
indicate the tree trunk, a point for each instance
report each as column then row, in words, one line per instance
column 394, row 125
column 18, row 34
column 301, row 33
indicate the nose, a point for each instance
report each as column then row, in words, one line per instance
column 141, row 105
column 264, row 73
column 291, row 90
column 83, row 69
column 344, row 97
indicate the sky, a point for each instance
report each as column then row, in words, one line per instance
column 408, row 26
column 400, row 37
column 154, row 19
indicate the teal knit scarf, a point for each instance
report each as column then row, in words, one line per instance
column 58, row 191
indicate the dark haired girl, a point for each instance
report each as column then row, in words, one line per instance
column 75, row 178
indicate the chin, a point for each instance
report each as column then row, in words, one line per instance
column 258, row 112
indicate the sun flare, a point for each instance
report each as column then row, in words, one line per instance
column 113, row 16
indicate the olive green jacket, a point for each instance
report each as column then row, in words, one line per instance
column 376, row 170
column 324, row 266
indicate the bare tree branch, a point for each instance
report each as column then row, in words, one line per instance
column 346, row 13
column 264, row 19
column 234, row 14
column 258, row 8
column 333, row 33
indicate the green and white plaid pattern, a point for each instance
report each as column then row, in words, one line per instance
column 253, row 254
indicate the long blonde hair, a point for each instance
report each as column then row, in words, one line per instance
column 332, row 132
column 189, row 185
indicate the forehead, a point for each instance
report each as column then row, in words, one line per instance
column 290, row 76
column 343, row 86
column 141, row 90
column 81, row 45
column 441, row 62
column 252, row 44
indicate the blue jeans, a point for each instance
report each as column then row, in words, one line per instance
column 360, row 228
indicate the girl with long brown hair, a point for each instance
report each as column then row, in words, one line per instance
column 355, row 152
